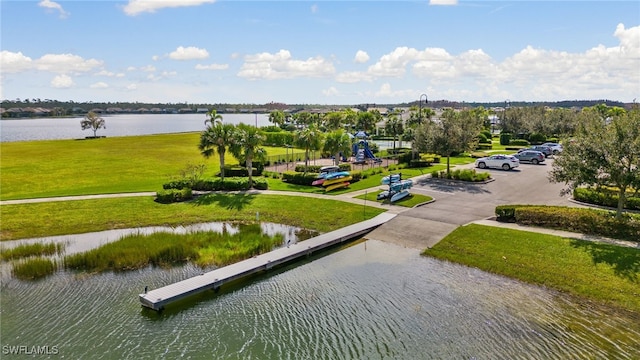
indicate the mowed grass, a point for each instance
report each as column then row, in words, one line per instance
column 600, row 272
column 80, row 216
column 34, row 169
column 409, row 201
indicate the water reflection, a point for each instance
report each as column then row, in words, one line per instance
column 372, row 300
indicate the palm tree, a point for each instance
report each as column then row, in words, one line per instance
column 247, row 144
column 216, row 136
column 394, row 127
column 212, row 117
column 337, row 142
column 277, row 117
column 309, row 139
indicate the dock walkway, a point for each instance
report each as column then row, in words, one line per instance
column 157, row 299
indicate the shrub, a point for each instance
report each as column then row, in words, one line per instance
column 173, row 195
column 242, row 171
column 586, row 221
column 482, row 138
column 537, row 138
column 299, row 178
column 484, row 146
column 419, row 163
column 469, row 175
column 519, row 142
column 487, row 134
column 604, row 197
column 278, row 138
column 260, row 183
column 505, row 138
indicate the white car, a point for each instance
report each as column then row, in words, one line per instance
column 555, row 147
column 505, row 162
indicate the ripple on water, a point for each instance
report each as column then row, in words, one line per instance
column 369, row 301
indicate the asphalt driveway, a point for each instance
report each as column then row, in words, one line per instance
column 459, row 203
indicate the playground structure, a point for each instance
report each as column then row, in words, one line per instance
column 362, row 153
column 398, row 188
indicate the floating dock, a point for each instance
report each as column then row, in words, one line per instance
column 157, row 299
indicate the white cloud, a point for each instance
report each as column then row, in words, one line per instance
column 212, row 67
column 99, row 85
column 148, row 68
column 11, row 62
column 282, row 66
column 62, row 82
column 189, row 53
column 314, row 8
column 135, row 7
column 132, row 87
column 361, row 57
column 57, row 63
column 394, row 63
column 51, row 5
column 331, row 91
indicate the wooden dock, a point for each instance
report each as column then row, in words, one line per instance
column 157, row 299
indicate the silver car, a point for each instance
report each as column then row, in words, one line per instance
column 505, row 162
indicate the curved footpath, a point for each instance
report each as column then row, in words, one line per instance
column 455, row 204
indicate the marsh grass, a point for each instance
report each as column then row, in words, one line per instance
column 27, row 250
column 204, row 248
column 33, row 269
column 601, row 272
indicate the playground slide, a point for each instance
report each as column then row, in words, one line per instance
column 369, row 154
column 337, row 186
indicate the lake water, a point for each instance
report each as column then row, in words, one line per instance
column 370, row 300
column 128, row 125
column 116, row 125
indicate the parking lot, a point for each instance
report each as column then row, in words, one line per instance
column 458, row 203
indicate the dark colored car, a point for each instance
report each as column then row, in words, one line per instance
column 546, row 150
column 532, row 156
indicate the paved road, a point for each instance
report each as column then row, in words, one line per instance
column 459, row 203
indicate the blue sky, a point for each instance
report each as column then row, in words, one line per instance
column 319, row 52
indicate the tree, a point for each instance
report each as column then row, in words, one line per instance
column 350, row 118
column 92, row 121
column 277, row 117
column 213, row 116
column 217, row 136
column 337, row 142
column 366, row 120
column 333, row 120
column 605, row 151
column 309, row 139
column 394, row 126
column 247, row 143
column 455, row 132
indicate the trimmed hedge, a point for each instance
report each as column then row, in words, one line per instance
column 469, row 175
column 519, row 142
column 586, row 221
column 299, row 178
column 604, row 197
column 505, row 138
column 173, row 195
column 230, row 184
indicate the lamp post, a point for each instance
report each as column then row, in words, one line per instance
column 420, row 104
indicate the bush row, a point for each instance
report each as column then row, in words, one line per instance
column 173, row 195
column 604, row 197
column 461, row 174
column 586, row 221
column 300, row 178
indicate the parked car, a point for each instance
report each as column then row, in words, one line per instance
column 547, row 151
column 532, row 156
column 506, row 162
column 555, row 147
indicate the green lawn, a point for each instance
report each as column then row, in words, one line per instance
column 73, row 217
column 409, row 201
column 604, row 273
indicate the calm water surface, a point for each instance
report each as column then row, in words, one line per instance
column 371, row 300
column 117, row 125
